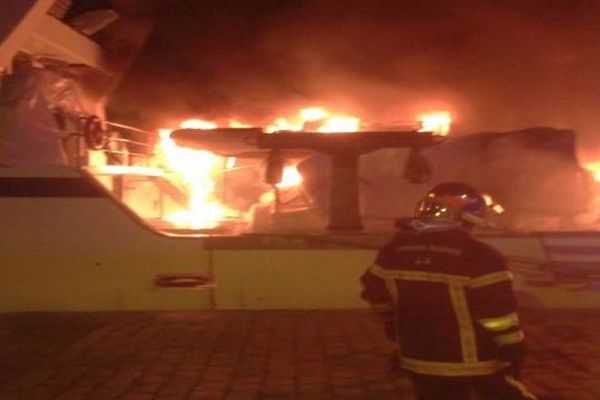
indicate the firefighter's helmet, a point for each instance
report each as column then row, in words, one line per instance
column 451, row 204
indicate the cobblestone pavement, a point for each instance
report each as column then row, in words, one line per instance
column 244, row 355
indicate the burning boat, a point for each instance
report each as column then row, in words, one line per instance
column 98, row 215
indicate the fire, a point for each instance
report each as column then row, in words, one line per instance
column 197, row 124
column 340, row 123
column 237, row 124
column 316, row 119
column 313, row 113
column 594, row 168
column 197, row 170
column 291, row 177
column 439, row 123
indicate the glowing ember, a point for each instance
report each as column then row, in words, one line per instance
column 439, row 123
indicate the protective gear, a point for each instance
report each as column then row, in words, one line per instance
column 450, row 205
column 513, row 355
column 452, row 307
column 460, row 301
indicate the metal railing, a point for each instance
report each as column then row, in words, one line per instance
column 122, row 144
column 128, row 144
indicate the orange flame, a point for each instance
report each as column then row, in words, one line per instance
column 313, row 113
column 315, row 119
column 197, row 124
column 197, row 170
column 291, row 177
column 438, row 123
column 340, row 123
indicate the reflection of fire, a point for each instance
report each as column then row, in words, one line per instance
column 492, row 204
column 594, row 168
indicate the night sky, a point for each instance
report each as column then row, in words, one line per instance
column 497, row 65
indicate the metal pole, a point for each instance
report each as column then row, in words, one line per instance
column 344, row 203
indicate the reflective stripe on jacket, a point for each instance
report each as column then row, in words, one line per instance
column 452, row 299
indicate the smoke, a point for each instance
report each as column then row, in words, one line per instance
column 532, row 173
column 496, row 65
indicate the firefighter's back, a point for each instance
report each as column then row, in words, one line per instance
column 432, row 271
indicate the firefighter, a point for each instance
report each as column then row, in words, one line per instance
column 447, row 300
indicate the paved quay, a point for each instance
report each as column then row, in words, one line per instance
column 251, row 355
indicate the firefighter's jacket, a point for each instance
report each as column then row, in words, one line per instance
column 451, row 301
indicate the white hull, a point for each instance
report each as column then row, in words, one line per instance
column 89, row 254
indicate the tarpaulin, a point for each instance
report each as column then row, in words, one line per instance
column 30, row 100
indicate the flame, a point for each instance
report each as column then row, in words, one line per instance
column 127, row 170
column 197, row 124
column 291, row 177
column 315, row 119
column 438, row 123
column 282, row 124
column 197, row 170
column 313, row 113
column 230, row 162
column 340, row 123
column 237, row 124
column 594, row 168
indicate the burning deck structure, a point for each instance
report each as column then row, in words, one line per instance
column 98, row 215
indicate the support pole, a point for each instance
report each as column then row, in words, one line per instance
column 344, row 203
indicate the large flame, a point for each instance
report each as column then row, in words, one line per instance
column 197, row 170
